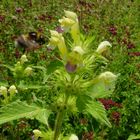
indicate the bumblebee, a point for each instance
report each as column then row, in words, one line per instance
column 30, row 41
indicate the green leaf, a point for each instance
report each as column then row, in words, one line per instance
column 7, row 66
column 134, row 137
column 4, row 83
column 81, row 102
column 88, row 41
column 23, row 86
column 53, row 66
column 97, row 110
column 100, row 90
column 43, row 69
column 43, row 117
column 18, row 109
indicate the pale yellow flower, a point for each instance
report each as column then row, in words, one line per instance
column 73, row 137
column 23, row 59
column 28, row 71
column 37, row 133
column 54, row 33
column 3, row 90
column 57, row 40
column 71, row 15
column 66, row 23
column 107, row 77
column 69, row 20
column 103, row 46
column 12, row 90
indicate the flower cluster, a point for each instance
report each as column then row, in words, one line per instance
column 130, row 45
column 113, row 30
column 72, row 57
column 116, row 117
column 23, row 59
column 2, row 18
column 8, row 94
column 20, row 70
column 19, row 10
column 69, row 23
column 88, row 136
column 134, row 53
column 108, row 103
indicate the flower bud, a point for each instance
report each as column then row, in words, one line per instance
column 28, row 71
column 73, row 137
column 103, row 46
column 18, row 64
column 23, row 59
column 12, row 90
column 3, row 90
column 18, row 71
column 37, row 133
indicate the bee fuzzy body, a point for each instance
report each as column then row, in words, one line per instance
column 29, row 42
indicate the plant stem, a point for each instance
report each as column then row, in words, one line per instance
column 59, row 119
column 58, row 124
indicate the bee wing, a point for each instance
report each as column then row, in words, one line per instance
column 23, row 42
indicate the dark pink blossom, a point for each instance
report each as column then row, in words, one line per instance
column 19, row 10
column 108, row 103
column 42, row 17
column 116, row 117
column 88, row 136
column 130, row 45
column 113, row 30
column 134, row 53
column 2, row 18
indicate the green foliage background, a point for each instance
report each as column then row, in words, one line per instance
column 96, row 18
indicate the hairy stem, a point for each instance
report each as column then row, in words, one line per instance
column 59, row 119
column 58, row 124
